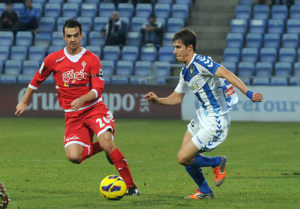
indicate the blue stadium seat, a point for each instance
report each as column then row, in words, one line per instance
column 161, row 71
column 108, row 67
column 287, row 54
column 70, row 10
column 60, row 23
column 53, row 49
column 148, row 53
column 13, row 67
column 47, row 24
column 296, row 67
column 43, row 39
column 283, row 68
column 86, row 24
column 298, row 54
column 268, row 55
column 276, row 26
column 125, row 10
column 56, row 1
column 162, row 10
column 8, row 79
column 174, row 24
column 93, row 1
column 24, row 38
column 278, row 81
column 187, row 2
column 143, row 10
column 124, row 67
column 234, row 40
column 243, row 12
column 2, row 7
column 230, row 66
column 261, row 81
column 143, row 68
column 246, row 69
column 257, row 26
column 120, row 80
column 295, row 12
column 232, row 54
column 96, row 39
column 37, row 53
column 180, row 11
column 76, row 1
column 100, row 22
column 137, row 80
column 238, row 25
column 30, row 67
column 39, row 8
column 95, row 49
column 254, row 40
column 293, row 26
column 4, row 53
column 294, row 81
column 168, row 39
column 6, row 38
column 272, row 40
column 23, row 79
column 57, row 39
column 296, row 2
column 137, row 23
column 249, row 54
column 18, row 6
column 52, row 10
column 290, row 40
column 133, row 39
column 89, row 10
column 43, row 2
column 165, row 1
column 106, row 9
column 166, row 54
column 18, row 52
column 279, row 12
column 261, row 11
column 111, row 53
column 264, row 69
column 130, row 53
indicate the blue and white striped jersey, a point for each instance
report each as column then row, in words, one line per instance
column 215, row 95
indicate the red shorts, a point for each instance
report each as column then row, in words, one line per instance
column 82, row 125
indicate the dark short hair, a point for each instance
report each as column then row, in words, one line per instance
column 72, row 23
column 187, row 36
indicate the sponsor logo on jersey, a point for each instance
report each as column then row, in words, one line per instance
column 59, row 60
column 230, row 91
column 195, row 86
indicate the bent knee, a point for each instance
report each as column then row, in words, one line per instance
column 74, row 158
column 183, row 160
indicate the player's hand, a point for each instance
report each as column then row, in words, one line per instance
column 151, row 97
column 257, row 97
column 77, row 103
column 21, row 107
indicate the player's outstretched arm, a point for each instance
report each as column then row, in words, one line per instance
column 21, row 106
column 172, row 99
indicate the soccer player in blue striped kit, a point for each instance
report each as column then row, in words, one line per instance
column 213, row 86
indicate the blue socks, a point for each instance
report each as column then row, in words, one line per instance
column 204, row 161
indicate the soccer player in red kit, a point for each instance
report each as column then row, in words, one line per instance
column 79, row 83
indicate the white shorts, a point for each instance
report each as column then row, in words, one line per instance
column 209, row 132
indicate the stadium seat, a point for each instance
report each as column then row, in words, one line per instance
column 111, row 53
column 162, row 10
column 264, row 69
column 137, row 23
column 124, row 67
column 243, row 12
column 278, row 81
column 290, row 40
column 187, row 2
column 257, row 26
column 4, row 53
column 246, row 80
column 100, row 22
column 283, row 68
column 8, row 79
column 174, row 24
column 43, row 2
column 18, row 52
column 133, row 39
column 86, row 24
column 230, row 66
column 2, row 8
column 108, row 67
column 47, row 24
column 43, row 39
column 249, row 54
column 261, row 81
column 56, row 1
column 293, row 26
column 294, row 81
column 120, row 80
column 180, row 11
column 246, row 69
column 23, row 79
column 268, row 55
column 93, row 1
column 234, row 40
column 96, row 39
column 165, row 1
column 37, row 53
column 279, row 12
column 298, row 54
column 52, row 10
column 148, row 53
column 24, row 38
column 166, row 54
column 30, row 67
column 89, row 10
column 130, row 53
column 261, row 11
column 106, row 9
column 60, row 23
column 272, row 40
column 76, row 1
column 232, row 54
column 6, row 38
column 276, row 26
column 125, row 10
column 13, row 67
column 295, row 12
column 95, row 49
column 143, row 10
column 168, row 39
column 53, row 49
column 238, row 25
column 143, row 68
column 287, row 54
column 137, row 80
column 254, row 40
column 57, row 39
column 296, row 67
column 161, row 69
column 70, row 10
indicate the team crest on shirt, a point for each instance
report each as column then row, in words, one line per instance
column 191, row 70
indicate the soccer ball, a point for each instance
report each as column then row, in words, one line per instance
column 113, row 187
column 4, row 200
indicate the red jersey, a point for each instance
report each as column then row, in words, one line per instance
column 74, row 76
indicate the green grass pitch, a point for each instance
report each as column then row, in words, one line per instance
column 263, row 170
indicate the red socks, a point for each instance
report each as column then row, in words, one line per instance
column 121, row 164
column 91, row 150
